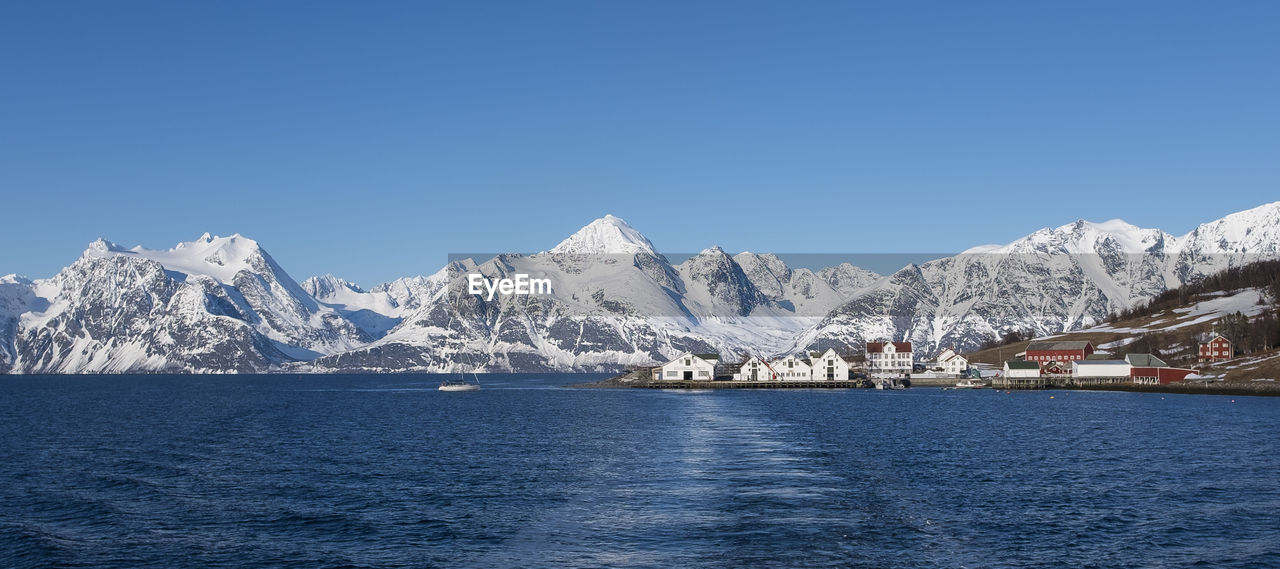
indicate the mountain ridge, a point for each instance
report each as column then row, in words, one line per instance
column 223, row 304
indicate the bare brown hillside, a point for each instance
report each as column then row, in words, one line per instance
column 1173, row 334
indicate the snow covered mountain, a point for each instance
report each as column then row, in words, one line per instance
column 608, row 235
column 222, row 304
column 1051, row 281
column 213, row 304
column 379, row 310
column 615, row 302
column 606, row 310
column 17, row 296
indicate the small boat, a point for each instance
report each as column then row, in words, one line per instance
column 459, row 382
column 970, row 383
column 448, row 386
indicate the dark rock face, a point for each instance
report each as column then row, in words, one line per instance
column 731, row 291
column 575, row 329
column 127, row 314
column 112, row 311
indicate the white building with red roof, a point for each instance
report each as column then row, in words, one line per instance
column 889, row 357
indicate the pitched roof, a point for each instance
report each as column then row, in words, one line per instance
column 1045, row 345
column 1145, row 360
column 878, row 347
column 1019, row 364
column 1100, row 362
column 816, row 355
column 708, row 356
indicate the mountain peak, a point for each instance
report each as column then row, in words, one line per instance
column 101, row 246
column 217, row 257
column 1254, row 231
column 324, row 286
column 15, row 278
column 1263, row 215
column 1082, row 237
column 1109, row 226
column 605, row 236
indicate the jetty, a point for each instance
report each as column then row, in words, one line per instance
column 643, row 378
column 680, row 384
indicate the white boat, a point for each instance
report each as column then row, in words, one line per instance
column 970, row 383
column 460, row 382
column 447, row 386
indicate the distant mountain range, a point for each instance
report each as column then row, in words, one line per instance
column 222, row 304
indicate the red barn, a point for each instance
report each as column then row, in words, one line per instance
column 1062, row 352
column 1216, row 350
column 1150, row 370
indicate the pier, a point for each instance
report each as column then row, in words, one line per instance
column 816, row 384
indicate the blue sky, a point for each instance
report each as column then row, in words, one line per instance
column 371, row 139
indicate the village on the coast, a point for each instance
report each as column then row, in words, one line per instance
column 887, row 364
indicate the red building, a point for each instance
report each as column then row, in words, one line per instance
column 1150, row 370
column 1158, row 375
column 1216, row 350
column 1062, row 352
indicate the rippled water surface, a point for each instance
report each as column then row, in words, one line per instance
column 385, row 471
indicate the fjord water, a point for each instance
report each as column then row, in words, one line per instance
column 385, row 471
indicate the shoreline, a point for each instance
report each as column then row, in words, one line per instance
column 633, row 380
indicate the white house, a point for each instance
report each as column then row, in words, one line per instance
column 889, row 357
column 951, row 362
column 1100, row 371
column 755, row 369
column 690, row 366
column 1020, row 373
column 829, row 366
column 792, row 368
column 1021, row 369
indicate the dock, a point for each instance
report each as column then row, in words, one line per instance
column 690, row 384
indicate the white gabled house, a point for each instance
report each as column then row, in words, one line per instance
column 688, row 366
column 1021, row 373
column 889, row 357
column 755, row 369
column 951, row 362
column 829, row 366
column 1093, row 372
column 1021, row 369
column 792, row 368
